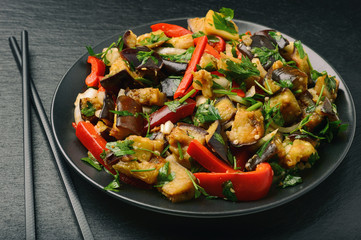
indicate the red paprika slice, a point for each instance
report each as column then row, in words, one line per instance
column 97, row 72
column 192, row 67
column 219, row 46
column 95, row 144
column 247, row 186
column 165, row 114
column 170, row 30
column 206, row 158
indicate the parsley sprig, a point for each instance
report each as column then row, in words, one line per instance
column 222, row 20
column 240, row 71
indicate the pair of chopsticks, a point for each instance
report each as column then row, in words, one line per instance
column 30, row 92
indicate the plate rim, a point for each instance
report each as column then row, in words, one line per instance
column 184, row 213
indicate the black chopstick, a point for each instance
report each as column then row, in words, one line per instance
column 64, row 173
column 28, row 155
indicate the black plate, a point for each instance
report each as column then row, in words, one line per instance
column 62, row 118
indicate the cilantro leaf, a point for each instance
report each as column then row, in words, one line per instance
column 228, row 191
column 290, row 181
column 144, row 56
column 223, row 21
column 121, row 148
column 115, row 184
column 299, row 47
column 265, row 55
column 173, row 105
column 122, row 113
column 206, row 112
column 184, row 57
column 240, row 71
column 164, row 176
column 272, row 114
column 154, row 38
column 228, row 13
column 89, row 110
column 91, row 160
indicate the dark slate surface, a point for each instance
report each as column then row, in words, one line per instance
column 58, row 32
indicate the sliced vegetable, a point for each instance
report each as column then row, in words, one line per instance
column 207, row 159
column 247, row 186
column 165, row 114
column 216, row 142
column 171, row 30
column 97, row 72
column 192, row 66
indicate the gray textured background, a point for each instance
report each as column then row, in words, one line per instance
column 58, row 32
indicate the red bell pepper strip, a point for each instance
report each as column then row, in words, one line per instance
column 208, row 49
column 97, row 72
column 217, row 73
column 241, row 156
column 192, row 67
column 190, row 89
column 95, row 144
column 220, row 46
column 165, row 114
column 206, row 158
column 237, row 90
column 247, row 186
column 92, row 141
column 170, row 30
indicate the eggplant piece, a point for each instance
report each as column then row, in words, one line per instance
column 245, row 50
column 306, row 99
column 112, row 84
column 328, row 110
column 216, row 142
column 169, row 86
column 225, row 108
column 247, row 128
column 150, row 69
column 267, row 154
column 280, row 41
column 286, row 73
column 191, row 130
column 174, row 68
column 105, row 115
column 127, row 125
column 129, row 39
column 261, row 41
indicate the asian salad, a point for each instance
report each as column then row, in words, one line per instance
column 205, row 110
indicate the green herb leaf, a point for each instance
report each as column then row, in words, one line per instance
column 206, row 112
column 330, row 83
column 144, row 56
column 122, row 113
column 265, row 54
column 285, row 83
column 115, row 184
column 173, row 105
column 219, row 138
column 164, row 176
column 154, row 38
column 184, row 57
column 91, row 160
column 228, row 191
column 121, row 148
column 198, row 189
column 299, row 47
column 180, row 151
column 223, row 21
column 275, row 36
column 227, row 12
column 290, row 181
column 89, row 110
column 272, row 114
column 240, row 71
column 313, row 158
